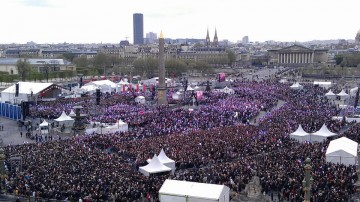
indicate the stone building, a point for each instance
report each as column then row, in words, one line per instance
column 297, row 56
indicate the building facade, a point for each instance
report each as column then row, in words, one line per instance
column 138, row 23
column 297, row 55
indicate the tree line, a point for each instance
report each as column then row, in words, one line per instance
column 103, row 64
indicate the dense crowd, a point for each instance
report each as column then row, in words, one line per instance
column 209, row 145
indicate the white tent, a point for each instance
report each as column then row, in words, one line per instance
column 140, row 99
column 330, row 95
column 44, row 123
column 176, row 191
column 343, row 95
column 324, row 84
column 342, row 150
column 300, row 135
column 296, row 86
column 44, row 127
column 353, row 91
column 105, row 128
column 72, row 113
column 155, row 166
column 189, row 88
column 89, row 88
column 228, row 90
column 65, row 119
column 166, row 161
column 321, row 135
column 25, row 89
column 177, row 95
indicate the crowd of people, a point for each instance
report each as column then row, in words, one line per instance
column 209, row 145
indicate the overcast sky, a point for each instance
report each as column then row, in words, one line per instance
column 109, row 21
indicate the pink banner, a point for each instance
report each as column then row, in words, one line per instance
column 221, row 77
column 199, row 95
column 137, row 87
column 144, row 87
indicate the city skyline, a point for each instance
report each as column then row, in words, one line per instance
column 110, row 21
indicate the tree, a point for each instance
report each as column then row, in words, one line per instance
column 339, row 59
column 231, row 57
column 81, row 61
column 24, row 68
column 175, row 67
column 148, row 65
column 69, row 56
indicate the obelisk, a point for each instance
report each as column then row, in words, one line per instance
column 161, row 90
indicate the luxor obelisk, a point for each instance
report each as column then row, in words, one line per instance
column 161, row 90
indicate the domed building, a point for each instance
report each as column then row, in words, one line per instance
column 357, row 38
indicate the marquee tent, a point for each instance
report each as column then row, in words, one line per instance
column 296, row 86
column 300, row 135
column 228, row 90
column 25, row 89
column 165, row 160
column 322, row 134
column 155, row 166
column 353, row 91
column 175, row 191
column 342, row 150
column 65, row 119
column 119, row 126
column 330, row 95
column 140, row 99
column 72, row 113
column 177, row 95
column 44, row 127
column 343, row 95
column 189, row 88
column 324, row 84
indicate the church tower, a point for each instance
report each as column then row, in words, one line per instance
column 207, row 40
column 216, row 40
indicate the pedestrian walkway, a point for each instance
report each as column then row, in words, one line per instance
column 255, row 120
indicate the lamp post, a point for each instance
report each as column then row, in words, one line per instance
column 308, row 180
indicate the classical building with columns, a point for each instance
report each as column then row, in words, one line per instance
column 298, row 56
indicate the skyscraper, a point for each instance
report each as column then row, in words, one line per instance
column 138, row 23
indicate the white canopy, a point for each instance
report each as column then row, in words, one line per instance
column 353, row 91
column 296, row 86
column 189, row 88
column 343, row 95
column 300, row 135
column 174, row 190
column 228, row 90
column 120, row 126
column 322, row 134
column 64, row 117
column 72, row 113
column 155, row 166
column 330, row 95
column 44, row 123
column 342, row 150
column 140, row 99
column 165, row 160
column 325, row 84
column 25, row 89
column 121, row 82
column 177, row 95
column 89, row 88
column 101, row 83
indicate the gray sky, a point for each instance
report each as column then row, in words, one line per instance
column 109, row 21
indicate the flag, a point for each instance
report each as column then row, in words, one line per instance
column 144, row 87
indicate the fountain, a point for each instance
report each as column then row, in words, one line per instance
column 79, row 125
